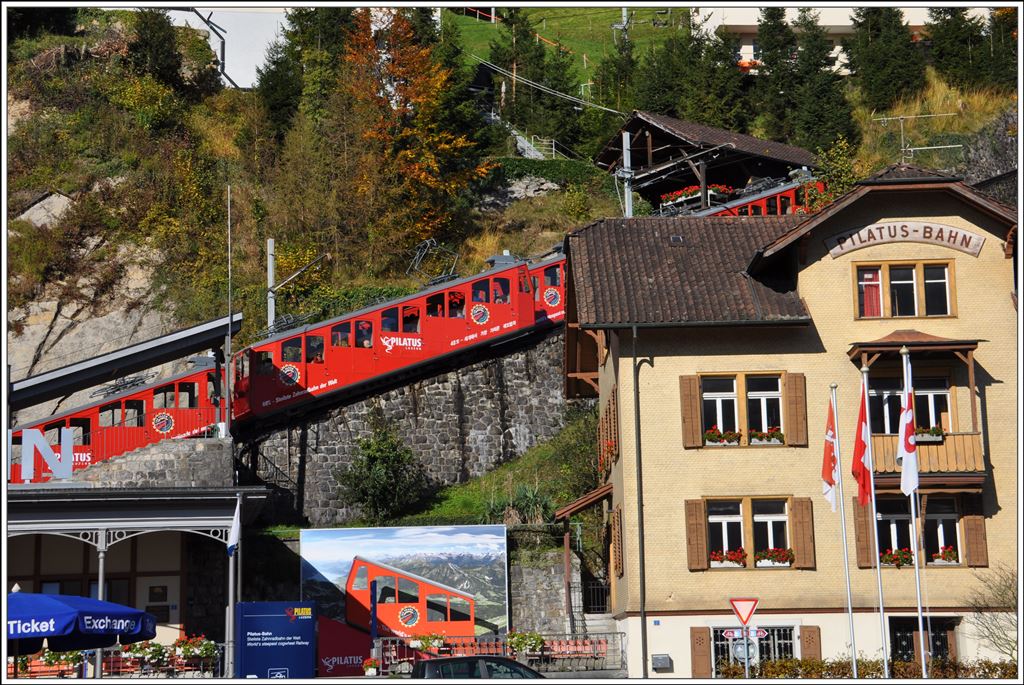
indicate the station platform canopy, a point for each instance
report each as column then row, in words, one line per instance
column 110, row 366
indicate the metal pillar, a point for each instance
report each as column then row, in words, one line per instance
column 101, row 577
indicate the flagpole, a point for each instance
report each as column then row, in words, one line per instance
column 846, row 553
column 874, row 523
column 908, row 399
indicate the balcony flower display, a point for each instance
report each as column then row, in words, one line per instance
column 946, row 555
column 772, row 436
column 370, row 666
column 736, row 557
column 525, row 641
column 694, row 191
column 149, row 653
column 897, row 557
column 714, row 436
column 933, row 434
column 774, row 556
column 195, row 647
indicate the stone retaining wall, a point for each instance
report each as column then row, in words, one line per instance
column 186, row 463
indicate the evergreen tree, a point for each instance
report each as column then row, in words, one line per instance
column 613, row 87
column 820, row 113
column 279, row 87
column 776, row 75
column 153, row 50
column 715, row 95
column 517, row 50
column 884, row 61
column 555, row 116
column 1001, row 48
column 424, row 27
column 957, row 46
column 318, row 28
column 31, row 21
column 670, row 72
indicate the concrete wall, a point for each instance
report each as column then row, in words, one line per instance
column 459, row 424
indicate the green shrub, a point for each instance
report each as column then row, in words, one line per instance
column 152, row 104
column 576, row 202
column 870, row 668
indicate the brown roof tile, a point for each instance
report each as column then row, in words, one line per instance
column 678, row 271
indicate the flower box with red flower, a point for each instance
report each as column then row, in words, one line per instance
column 946, row 556
column 774, row 556
column 716, row 191
column 772, row 436
column 370, row 666
column 935, row 434
column 732, row 558
column 897, row 557
column 713, row 437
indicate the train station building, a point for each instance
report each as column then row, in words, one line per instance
column 735, row 328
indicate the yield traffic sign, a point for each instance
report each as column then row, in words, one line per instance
column 743, row 607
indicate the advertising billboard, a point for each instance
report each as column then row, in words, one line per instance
column 450, row 580
column 276, row 640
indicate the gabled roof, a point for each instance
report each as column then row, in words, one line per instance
column 915, row 341
column 895, row 178
column 701, row 135
column 678, row 271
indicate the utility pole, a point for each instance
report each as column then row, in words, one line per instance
column 271, row 293
column 626, row 174
column 906, row 152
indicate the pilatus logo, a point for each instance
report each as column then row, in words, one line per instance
column 480, row 314
column 298, row 612
column 289, row 374
column 409, row 616
column 163, row 422
column 552, row 297
column 403, row 342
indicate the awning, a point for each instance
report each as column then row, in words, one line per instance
column 916, row 342
column 592, row 497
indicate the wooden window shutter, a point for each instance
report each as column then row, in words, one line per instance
column 803, row 532
column 796, row 410
column 951, row 642
column 976, row 551
column 617, row 542
column 700, row 652
column 696, row 535
column 864, row 535
column 689, row 391
column 810, row 642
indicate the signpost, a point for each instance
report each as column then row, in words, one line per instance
column 744, row 608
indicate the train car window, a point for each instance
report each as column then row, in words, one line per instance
column 772, row 205
column 536, row 290
column 480, row 292
column 743, row 211
column 163, row 397
column 458, row 608
column 188, row 395
column 385, row 589
column 410, row 319
column 213, row 389
column 408, row 591
column 134, row 413
column 456, row 305
column 784, row 204
column 364, row 334
column 435, row 305
column 291, row 350
column 81, row 431
column 524, row 283
column 265, row 363
column 389, row 320
column 110, row 414
column 341, row 335
column 52, row 432
column 362, row 579
column 501, row 290
column 242, row 366
column 314, row 349
column 437, row 607
column 552, row 277
column 755, row 210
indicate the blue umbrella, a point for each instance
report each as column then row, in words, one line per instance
column 69, row 623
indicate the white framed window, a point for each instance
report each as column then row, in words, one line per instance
column 869, row 291
column 718, row 395
column 764, row 403
column 884, row 403
column 931, row 402
column 894, row 525
column 725, row 528
column 936, row 290
column 771, row 527
column 942, row 531
column 779, row 644
column 903, row 290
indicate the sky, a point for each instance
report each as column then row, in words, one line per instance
column 330, row 550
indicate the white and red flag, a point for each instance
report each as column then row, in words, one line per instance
column 830, row 463
column 862, row 463
column 906, row 452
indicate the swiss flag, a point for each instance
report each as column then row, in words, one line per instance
column 830, row 463
column 862, row 452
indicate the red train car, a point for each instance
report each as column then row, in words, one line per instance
column 176, row 407
column 407, row 604
column 785, row 199
column 510, row 299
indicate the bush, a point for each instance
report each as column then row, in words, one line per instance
column 870, row 668
column 385, row 479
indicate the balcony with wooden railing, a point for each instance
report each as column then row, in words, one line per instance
column 957, row 453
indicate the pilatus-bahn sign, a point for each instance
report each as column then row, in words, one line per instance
column 905, row 232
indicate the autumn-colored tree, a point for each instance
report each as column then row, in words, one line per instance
column 395, row 88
